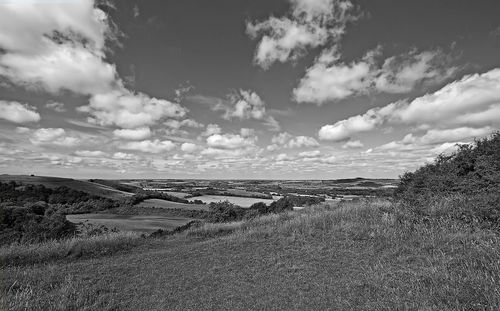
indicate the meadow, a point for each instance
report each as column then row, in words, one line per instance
column 159, row 203
column 240, row 201
column 367, row 255
column 130, row 223
column 433, row 245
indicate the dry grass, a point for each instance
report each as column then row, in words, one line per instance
column 361, row 255
column 105, row 244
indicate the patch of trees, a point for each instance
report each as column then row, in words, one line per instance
column 33, row 222
column 469, row 179
column 61, row 198
column 35, row 213
column 226, row 211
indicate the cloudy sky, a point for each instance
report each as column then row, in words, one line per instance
column 288, row 89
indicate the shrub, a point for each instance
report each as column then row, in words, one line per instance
column 470, row 175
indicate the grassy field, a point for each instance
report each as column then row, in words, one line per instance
column 80, row 185
column 159, row 203
column 353, row 256
column 240, row 201
column 131, row 223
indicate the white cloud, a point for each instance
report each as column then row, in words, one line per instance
column 17, row 112
column 310, row 154
column 287, row 140
column 312, row 23
column 230, row 141
column 62, row 46
column 329, row 79
column 246, row 105
column 176, row 124
column 211, row 130
column 246, row 132
column 344, row 129
column 90, row 154
column 56, row 46
column 53, row 136
column 149, row 146
column 133, row 134
column 302, row 141
column 129, row 110
column 124, row 156
column 471, row 102
column 353, row 144
column 56, row 106
column 189, row 147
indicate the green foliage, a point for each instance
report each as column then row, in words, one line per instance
column 471, row 176
column 26, row 225
column 225, row 211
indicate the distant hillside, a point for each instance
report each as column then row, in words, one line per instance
column 80, row 185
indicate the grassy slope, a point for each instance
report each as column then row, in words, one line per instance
column 80, row 185
column 357, row 256
column 159, row 203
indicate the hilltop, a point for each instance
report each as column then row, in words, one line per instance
column 75, row 184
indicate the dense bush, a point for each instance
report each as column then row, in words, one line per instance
column 472, row 173
column 224, row 212
column 32, row 224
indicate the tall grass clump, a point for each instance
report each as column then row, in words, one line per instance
column 86, row 246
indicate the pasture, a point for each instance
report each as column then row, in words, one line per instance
column 131, row 223
column 240, row 201
column 159, row 203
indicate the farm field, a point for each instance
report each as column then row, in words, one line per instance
column 240, row 201
column 159, row 203
column 132, row 223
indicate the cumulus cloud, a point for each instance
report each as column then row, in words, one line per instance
column 189, row 147
column 469, row 105
column 230, row 141
column 59, row 46
column 133, row 134
column 245, row 105
column 90, row 154
column 352, row 144
column 176, row 124
column 18, row 113
column 123, row 156
column 149, row 146
column 128, row 110
column 287, row 140
column 56, row 106
column 302, row 141
column 342, row 130
column 56, row 46
column 53, row 136
column 311, row 23
column 211, row 129
column 330, row 79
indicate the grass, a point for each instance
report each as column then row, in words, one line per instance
column 159, row 203
column 99, row 245
column 357, row 255
column 240, row 201
column 132, row 223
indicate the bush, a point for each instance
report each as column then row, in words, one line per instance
column 471, row 175
column 224, row 212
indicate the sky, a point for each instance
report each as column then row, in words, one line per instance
column 238, row 89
